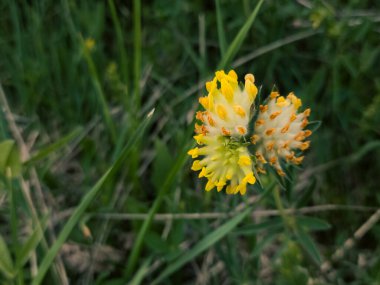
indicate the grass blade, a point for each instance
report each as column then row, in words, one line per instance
column 31, row 244
column 237, row 42
column 120, row 43
column 201, row 246
column 6, row 265
column 309, row 245
column 137, row 51
column 140, row 274
column 87, row 199
column 312, row 223
column 99, row 90
column 144, row 228
column 46, row 151
column 221, row 34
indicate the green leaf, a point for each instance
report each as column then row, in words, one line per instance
column 309, row 245
column 161, row 164
column 167, row 184
column 30, row 244
column 87, row 199
column 140, row 274
column 201, row 246
column 237, row 42
column 221, row 33
column 156, row 243
column 6, row 264
column 47, row 150
column 267, row 240
column 312, row 223
column 9, row 158
column 256, row 228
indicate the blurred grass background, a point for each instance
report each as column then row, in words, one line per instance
column 80, row 78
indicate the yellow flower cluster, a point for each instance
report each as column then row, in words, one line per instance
column 223, row 135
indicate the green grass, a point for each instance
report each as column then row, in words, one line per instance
column 82, row 112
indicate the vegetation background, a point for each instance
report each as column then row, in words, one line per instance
column 84, row 168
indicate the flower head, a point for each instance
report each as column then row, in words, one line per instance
column 224, row 162
column 227, row 106
column 222, row 155
column 280, row 131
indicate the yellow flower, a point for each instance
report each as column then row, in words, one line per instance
column 227, row 106
column 222, row 154
column 279, row 131
column 89, row 44
column 225, row 162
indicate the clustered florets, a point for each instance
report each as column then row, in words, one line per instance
column 223, row 136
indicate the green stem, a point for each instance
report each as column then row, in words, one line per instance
column 99, row 91
column 120, row 46
column 137, row 51
column 288, row 221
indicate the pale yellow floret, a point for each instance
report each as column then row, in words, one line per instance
column 244, row 160
column 196, row 165
column 249, row 77
column 219, row 75
column 270, row 131
column 305, row 145
column 204, row 102
column 222, row 112
column 220, row 185
column 242, row 188
column 227, row 90
column 209, row 185
column 210, row 120
column 274, row 115
column 282, row 102
column 251, row 89
column 232, row 74
column 263, row 108
column 249, row 178
column 274, row 94
column 295, row 100
column 254, row 139
column 203, row 172
column 210, row 101
column 242, row 130
column 193, row 152
column 225, row 132
column 211, row 85
column 230, row 173
column 199, row 138
column 239, row 111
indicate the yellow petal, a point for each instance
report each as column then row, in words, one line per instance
column 193, row 152
column 244, row 160
column 239, row 110
column 209, row 185
column 204, row 102
column 249, row 178
column 203, row 172
column 199, row 138
column 282, row 102
column 196, row 165
column 242, row 188
column 222, row 112
column 227, row 90
column 251, row 89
